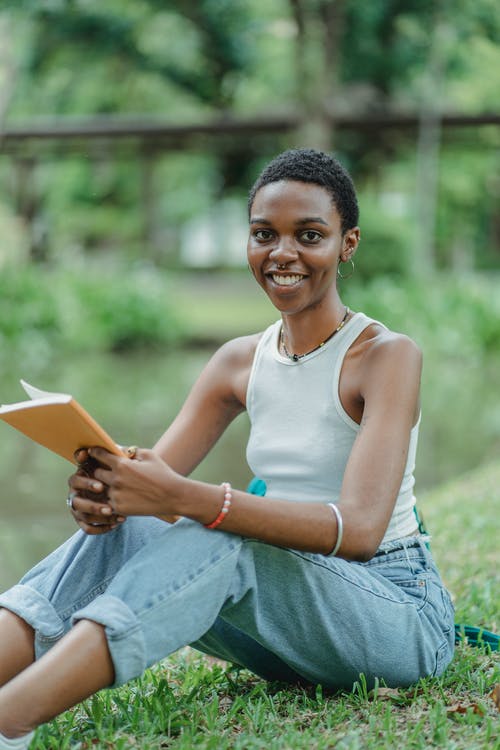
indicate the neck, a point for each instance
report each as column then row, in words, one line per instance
column 305, row 331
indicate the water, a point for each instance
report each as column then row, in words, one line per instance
column 135, row 398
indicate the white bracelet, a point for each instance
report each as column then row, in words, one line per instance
column 340, row 529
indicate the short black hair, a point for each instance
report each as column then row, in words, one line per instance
column 310, row 165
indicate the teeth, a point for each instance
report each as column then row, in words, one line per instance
column 286, row 280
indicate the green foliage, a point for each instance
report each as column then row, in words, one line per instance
column 203, row 58
column 94, row 306
column 122, row 311
column 386, row 241
column 468, row 219
column 46, row 311
column 390, row 38
column 27, row 308
column 456, row 316
column 189, row 60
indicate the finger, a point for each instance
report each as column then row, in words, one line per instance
column 88, row 507
column 88, row 488
column 88, row 467
column 98, row 520
column 83, row 482
column 104, row 476
column 104, row 457
column 80, row 455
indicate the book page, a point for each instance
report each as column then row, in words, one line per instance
column 37, row 392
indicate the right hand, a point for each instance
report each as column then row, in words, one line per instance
column 90, row 507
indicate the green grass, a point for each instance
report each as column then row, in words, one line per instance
column 190, row 701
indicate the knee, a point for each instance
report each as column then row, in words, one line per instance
column 14, row 621
column 17, row 631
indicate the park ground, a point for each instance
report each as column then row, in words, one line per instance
column 190, row 701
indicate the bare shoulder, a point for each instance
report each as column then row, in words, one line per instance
column 386, row 348
column 390, row 373
column 237, row 353
column 378, row 367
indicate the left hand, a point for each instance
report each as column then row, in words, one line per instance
column 141, row 486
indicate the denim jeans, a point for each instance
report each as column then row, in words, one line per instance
column 285, row 615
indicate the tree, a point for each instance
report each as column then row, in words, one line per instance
column 190, row 59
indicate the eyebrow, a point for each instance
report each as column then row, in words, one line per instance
column 300, row 222
column 313, row 220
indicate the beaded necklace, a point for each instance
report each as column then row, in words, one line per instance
column 296, row 357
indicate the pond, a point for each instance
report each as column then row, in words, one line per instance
column 135, row 396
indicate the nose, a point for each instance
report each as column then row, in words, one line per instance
column 285, row 251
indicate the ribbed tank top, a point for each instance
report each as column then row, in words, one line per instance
column 300, row 435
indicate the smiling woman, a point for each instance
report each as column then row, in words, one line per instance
column 324, row 578
column 296, row 244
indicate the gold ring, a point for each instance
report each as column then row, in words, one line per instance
column 132, row 451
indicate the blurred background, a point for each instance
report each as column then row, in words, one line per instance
column 130, row 134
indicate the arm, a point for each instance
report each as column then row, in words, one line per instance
column 216, row 399
column 389, row 387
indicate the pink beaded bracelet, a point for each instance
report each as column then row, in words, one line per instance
column 228, row 498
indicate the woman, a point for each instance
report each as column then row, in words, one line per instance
column 323, row 579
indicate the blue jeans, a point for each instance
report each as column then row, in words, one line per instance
column 285, row 615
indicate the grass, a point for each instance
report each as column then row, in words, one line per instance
column 190, row 701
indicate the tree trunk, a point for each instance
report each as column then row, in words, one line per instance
column 318, row 68
column 150, row 239
column 8, row 71
column 428, row 148
column 27, row 204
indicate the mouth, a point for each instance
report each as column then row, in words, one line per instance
column 287, row 279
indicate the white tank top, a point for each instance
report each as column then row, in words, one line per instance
column 301, row 436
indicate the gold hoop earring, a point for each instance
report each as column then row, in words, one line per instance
column 347, row 276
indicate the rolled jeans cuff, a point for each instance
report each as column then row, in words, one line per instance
column 38, row 612
column 124, row 635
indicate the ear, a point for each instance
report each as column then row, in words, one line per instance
column 350, row 244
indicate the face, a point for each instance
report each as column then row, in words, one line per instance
column 295, row 244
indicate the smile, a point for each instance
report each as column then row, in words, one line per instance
column 287, row 280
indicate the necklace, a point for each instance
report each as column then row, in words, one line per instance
column 296, row 357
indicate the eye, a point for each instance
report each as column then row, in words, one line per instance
column 310, row 236
column 262, row 235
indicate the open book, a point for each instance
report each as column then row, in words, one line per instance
column 58, row 422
